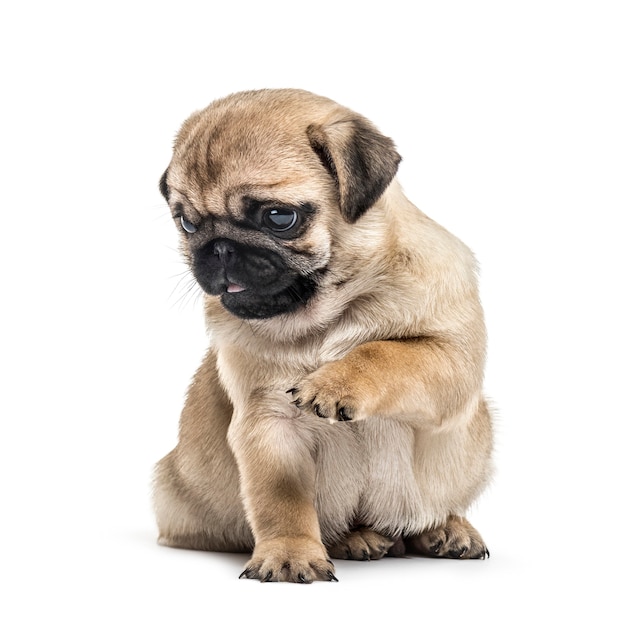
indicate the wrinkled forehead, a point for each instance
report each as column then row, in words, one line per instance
column 219, row 155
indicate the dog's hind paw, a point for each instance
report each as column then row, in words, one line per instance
column 361, row 544
column 456, row 539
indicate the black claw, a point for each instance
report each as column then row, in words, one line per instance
column 268, row 577
column 343, row 415
column 318, row 411
column 303, row 579
column 486, row 553
column 437, row 547
column 245, row 574
column 293, row 390
column 365, row 556
column 331, row 576
column 297, row 403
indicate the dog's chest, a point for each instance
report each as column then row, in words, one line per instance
column 367, row 469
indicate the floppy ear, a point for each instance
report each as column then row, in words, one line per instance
column 361, row 160
column 163, row 187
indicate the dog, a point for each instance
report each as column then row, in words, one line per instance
column 339, row 411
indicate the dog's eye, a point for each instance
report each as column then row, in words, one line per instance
column 187, row 225
column 280, row 219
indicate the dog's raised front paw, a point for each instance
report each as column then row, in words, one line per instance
column 335, row 391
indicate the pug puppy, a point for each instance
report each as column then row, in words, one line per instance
column 339, row 409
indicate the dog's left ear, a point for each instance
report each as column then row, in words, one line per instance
column 361, row 160
column 163, row 186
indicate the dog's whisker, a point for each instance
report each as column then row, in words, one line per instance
column 187, row 290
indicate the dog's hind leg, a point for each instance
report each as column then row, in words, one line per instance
column 196, row 486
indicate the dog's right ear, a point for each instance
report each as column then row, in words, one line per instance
column 163, row 187
column 361, row 160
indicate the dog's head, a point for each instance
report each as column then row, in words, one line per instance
column 259, row 182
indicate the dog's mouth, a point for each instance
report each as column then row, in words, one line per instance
column 252, row 283
column 247, row 303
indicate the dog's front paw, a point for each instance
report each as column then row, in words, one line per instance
column 289, row 559
column 334, row 391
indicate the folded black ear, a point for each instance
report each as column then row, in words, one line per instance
column 361, row 160
column 163, row 187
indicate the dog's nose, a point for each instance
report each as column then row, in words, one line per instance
column 224, row 250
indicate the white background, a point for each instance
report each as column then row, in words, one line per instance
column 510, row 117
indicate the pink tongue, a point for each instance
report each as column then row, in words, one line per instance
column 234, row 288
